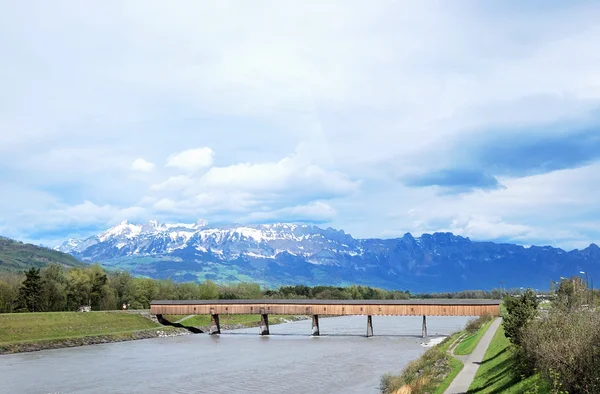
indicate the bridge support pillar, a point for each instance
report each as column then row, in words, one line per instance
column 264, row 324
column 315, row 326
column 215, row 326
column 369, row 326
column 424, row 328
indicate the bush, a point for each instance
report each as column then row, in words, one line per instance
column 475, row 324
column 565, row 347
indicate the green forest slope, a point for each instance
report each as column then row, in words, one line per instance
column 16, row 256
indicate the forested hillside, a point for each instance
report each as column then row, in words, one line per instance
column 17, row 256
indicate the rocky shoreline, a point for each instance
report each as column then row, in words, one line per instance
column 32, row 346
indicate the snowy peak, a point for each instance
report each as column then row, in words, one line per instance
column 69, row 244
column 232, row 241
column 123, row 229
column 127, row 230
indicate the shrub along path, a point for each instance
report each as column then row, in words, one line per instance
column 463, row 380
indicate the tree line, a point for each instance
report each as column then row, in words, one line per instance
column 57, row 288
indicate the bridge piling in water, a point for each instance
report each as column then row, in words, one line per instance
column 424, row 328
column 264, row 324
column 369, row 326
column 215, row 326
column 315, row 326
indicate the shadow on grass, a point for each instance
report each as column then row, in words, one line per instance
column 165, row 322
column 499, row 372
column 496, row 355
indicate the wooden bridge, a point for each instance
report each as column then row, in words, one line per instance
column 265, row 307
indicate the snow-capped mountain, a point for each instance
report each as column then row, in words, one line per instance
column 259, row 241
column 281, row 253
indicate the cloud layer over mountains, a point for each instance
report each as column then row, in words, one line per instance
column 380, row 119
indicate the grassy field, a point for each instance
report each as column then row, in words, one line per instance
column 498, row 372
column 468, row 344
column 23, row 327
column 247, row 320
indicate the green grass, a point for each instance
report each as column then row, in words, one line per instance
column 23, row 327
column 498, row 372
column 247, row 320
column 455, row 365
column 468, row 344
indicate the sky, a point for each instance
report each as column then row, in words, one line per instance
column 379, row 118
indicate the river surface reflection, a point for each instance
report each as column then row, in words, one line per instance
column 289, row 361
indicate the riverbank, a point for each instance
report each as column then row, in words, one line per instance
column 59, row 343
column 289, row 361
column 28, row 332
column 437, row 368
column 431, row 373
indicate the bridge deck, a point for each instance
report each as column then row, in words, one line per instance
column 413, row 307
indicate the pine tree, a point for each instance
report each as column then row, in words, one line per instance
column 519, row 312
column 30, row 293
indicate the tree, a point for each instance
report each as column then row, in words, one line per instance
column 10, row 283
column 54, row 287
column 520, row 311
column 99, row 289
column 208, row 291
column 121, row 283
column 79, row 288
column 30, row 293
column 571, row 293
column 145, row 290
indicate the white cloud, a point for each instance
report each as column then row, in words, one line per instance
column 289, row 173
column 315, row 212
column 371, row 95
column 174, row 183
column 231, row 204
column 293, row 188
column 192, row 159
column 142, row 165
column 80, row 215
column 530, row 210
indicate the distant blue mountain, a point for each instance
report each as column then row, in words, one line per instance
column 280, row 254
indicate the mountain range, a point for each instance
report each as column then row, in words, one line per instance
column 281, row 253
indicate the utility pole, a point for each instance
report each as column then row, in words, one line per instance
column 587, row 285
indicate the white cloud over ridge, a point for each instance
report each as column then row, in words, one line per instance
column 287, row 173
column 221, row 95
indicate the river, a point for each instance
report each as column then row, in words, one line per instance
column 289, row 361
